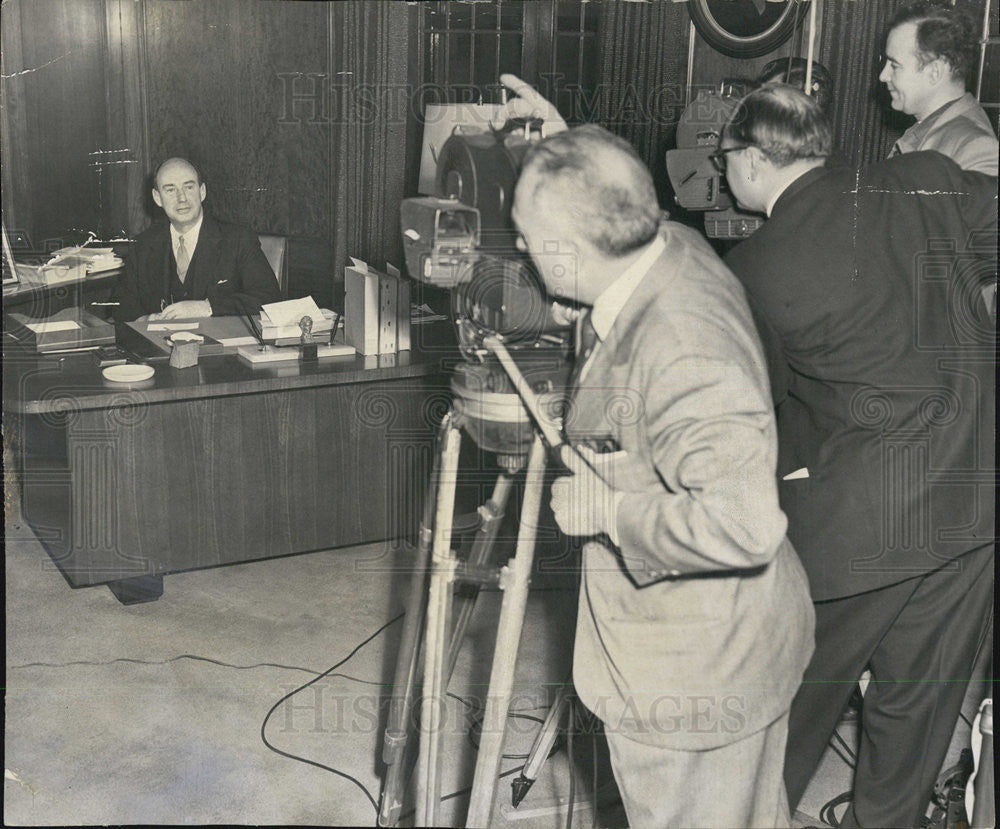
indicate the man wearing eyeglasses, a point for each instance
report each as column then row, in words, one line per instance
column 866, row 285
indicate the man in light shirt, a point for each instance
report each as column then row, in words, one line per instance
column 193, row 266
column 930, row 49
column 695, row 622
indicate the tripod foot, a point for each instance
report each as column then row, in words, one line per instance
column 518, row 789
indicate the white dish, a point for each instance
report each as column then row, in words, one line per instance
column 127, row 373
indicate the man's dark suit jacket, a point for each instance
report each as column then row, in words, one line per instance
column 866, row 286
column 228, row 269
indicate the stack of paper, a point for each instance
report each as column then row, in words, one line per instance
column 281, row 322
column 93, row 260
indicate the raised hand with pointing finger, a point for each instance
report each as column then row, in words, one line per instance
column 528, row 103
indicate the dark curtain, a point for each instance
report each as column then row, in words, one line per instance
column 853, row 36
column 643, row 54
column 369, row 49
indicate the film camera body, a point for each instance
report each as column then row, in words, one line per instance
column 463, row 239
column 697, row 184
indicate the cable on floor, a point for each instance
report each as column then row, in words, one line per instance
column 329, row 672
column 847, row 749
column 315, row 679
column 135, row 661
column 826, row 814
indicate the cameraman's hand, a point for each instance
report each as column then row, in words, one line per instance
column 583, row 504
column 529, row 104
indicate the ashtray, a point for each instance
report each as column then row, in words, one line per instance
column 128, row 373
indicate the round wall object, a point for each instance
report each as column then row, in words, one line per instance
column 745, row 28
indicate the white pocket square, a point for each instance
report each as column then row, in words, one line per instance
column 798, row 473
column 221, row 281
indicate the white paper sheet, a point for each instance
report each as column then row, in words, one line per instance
column 49, row 327
column 291, row 311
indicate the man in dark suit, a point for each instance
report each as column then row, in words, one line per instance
column 866, row 286
column 695, row 622
column 192, row 266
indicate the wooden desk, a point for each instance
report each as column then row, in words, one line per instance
column 218, row 463
column 40, row 301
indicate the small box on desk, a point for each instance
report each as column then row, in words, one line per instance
column 376, row 309
column 66, row 329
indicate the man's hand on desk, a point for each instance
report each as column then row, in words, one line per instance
column 583, row 504
column 187, row 309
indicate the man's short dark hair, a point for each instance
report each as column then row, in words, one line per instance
column 943, row 31
column 607, row 191
column 783, row 122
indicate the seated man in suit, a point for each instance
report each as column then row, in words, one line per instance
column 866, row 285
column 695, row 622
column 192, row 266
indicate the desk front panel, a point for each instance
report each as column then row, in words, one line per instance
column 125, row 491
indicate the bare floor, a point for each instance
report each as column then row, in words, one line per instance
column 158, row 713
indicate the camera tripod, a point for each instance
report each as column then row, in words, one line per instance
column 437, row 616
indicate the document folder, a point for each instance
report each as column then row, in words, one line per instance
column 66, row 329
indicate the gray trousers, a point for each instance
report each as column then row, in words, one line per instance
column 736, row 785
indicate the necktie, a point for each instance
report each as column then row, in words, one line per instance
column 586, row 342
column 183, row 259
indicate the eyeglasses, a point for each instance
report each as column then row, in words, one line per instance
column 719, row 156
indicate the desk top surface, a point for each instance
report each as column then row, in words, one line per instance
column 23, row 290
column 38, row 384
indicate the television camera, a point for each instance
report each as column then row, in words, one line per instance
column 515, row 345
column 463, row 239
column 698, row 185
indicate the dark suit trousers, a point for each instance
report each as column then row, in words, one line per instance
column 920, row 638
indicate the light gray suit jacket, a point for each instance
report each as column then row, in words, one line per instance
column 961, row 131
column 695, row 631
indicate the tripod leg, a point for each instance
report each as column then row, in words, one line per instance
column 541, row 747
column 515, row 586
column 443, row 566
column 984, row 806
column 397, row 727
column 482, row 547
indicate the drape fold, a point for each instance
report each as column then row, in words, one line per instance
column 643, row 54
column 368, row 43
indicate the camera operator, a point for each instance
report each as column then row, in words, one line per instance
column 695, row 622
column 884, row 386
